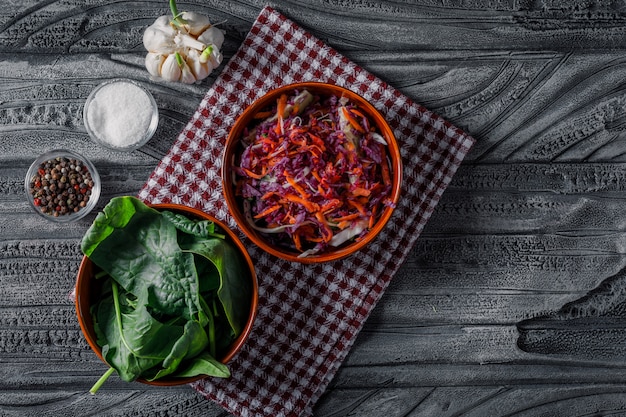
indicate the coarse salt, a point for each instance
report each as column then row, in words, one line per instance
column 120, row 114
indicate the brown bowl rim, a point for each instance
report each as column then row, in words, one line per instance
column 233, row 139
column 86, row 322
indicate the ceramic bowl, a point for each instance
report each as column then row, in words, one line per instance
column 234, row 148
column 88, row 291
column 49, row 190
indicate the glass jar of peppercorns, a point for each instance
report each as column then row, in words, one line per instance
column 62, row 185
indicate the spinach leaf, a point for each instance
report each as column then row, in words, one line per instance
column 132, row 340
column 137, row 246
column 115, row 215
column 193, row 341
column 223, row 335
column 200, row 228
column 208, row 275
column 205, row 364
column 234, row 292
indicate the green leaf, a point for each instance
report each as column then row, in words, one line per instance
column 115, row 215
column 200, row 228
column 138, row 247
column 205, row 364
column 234, row 292
column 208, row 275
column 193, row 341
column 132, row 339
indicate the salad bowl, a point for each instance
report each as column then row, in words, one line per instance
column 311, row 172
column 90, row 292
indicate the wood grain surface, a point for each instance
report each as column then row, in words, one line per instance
column 513, row 301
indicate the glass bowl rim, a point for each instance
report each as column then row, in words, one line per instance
column 95, row 190
column 152, row 127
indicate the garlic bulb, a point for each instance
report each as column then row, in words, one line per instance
column 183, row 48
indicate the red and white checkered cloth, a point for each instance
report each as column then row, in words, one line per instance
column 309, row 315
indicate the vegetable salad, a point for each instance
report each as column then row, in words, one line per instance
column 314, row 173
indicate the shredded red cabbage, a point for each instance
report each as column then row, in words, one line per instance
column 314, row 173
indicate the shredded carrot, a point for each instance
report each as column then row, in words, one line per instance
column 254, row 174
column 330, row 205
column 358, row 206
column 339, row 159
column 267, row 211
column 308, row 205
column 358, row 113
column 316, row 175
column 273, row 161
column 314, row 150
column 299, row 141
column 280, row 112
column 355, row 124
column 344, row 224
column 347, row 218
column 317, row 141
column 327, row 233
column 362, row 192
column 295, row 185
column 269, row 194
column 351, row 152
column 309, row 234
column 296, row 241
column 373, row 217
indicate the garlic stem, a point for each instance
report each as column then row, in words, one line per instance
column 182, row 39
column 179, row 59
column 177, row 20
column 206, row 54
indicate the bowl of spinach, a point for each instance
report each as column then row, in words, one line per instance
column 165, row 294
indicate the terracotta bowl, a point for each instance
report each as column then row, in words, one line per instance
column 88, row 292
column 234, row 148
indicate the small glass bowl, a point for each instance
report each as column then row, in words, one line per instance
column 37, row 186
column 113, row 110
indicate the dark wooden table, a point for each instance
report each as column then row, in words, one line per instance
column 513, row 301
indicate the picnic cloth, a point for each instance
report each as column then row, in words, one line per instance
column 309, row 315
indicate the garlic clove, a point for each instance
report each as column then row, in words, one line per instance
column 199, row 69
column 195, row 23
column 213, row 56
column 153, row 63
column 212, row 36
column 170, row 70
column 159, row 37
column 187, row 76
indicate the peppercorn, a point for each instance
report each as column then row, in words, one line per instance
column 61, row 186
